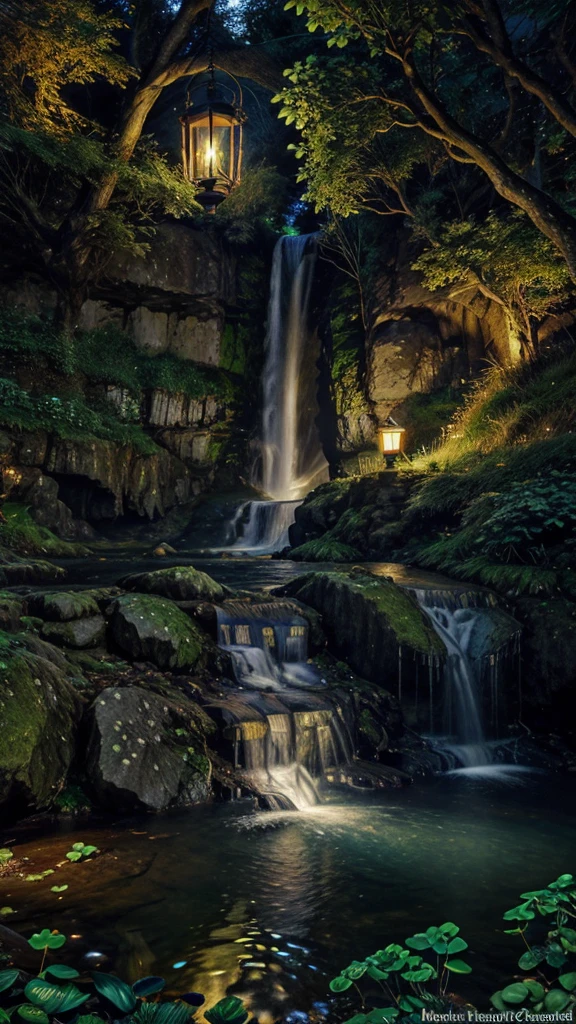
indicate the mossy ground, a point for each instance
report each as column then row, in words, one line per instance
column 513, row 438
column 21, row 534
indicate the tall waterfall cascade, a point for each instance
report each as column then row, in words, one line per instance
column 293, row 461
column 292, row 458
column 479, row 638
column 285, row 733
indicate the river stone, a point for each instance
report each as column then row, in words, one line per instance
column 62, row 607
column 77, row 634
column 39, row 711
column 134, row 759
column 154, row 629
column 367, row 619
column 180, row 583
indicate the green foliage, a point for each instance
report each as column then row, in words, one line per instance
column 529, row 513
column 105, row 355
column 403, row 974
column 72, row 799
column 5, row 855
column 109, row 996
column 325, row 549
column 554, row 960
column 497, row 503
column 260, row 198
column 70, row 418
column 20, row 533
column 51, row 45
column 505, row 252
column 80, row 851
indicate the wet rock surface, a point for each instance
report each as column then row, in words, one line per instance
column 179, row 583
column 149, row 628
column 39, row 713
column 135, row 759
column 363, row 606
column 81, row 633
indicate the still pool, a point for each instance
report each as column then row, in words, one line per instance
column 270, row 906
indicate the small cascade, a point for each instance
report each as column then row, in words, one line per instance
column 268, row 644
column 478, row 636
column 283, row 754
column 262, row 527
column 284, row 739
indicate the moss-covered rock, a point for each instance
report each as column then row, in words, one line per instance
column 179, row 583
column 63, row 606
column 352, row 518
column 15, row 570
column 39, row 711
column 10, row 611
column 325, row 549
column 148, row 628
column 367, row 619
column 78, row 634
column 137, row 757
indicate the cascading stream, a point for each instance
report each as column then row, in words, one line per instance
column 286, row 733
column 469, row 630
column 262, row 527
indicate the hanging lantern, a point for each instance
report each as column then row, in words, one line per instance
column 391, row 441
column 212, row 141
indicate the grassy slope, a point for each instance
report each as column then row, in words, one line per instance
column 513, row 439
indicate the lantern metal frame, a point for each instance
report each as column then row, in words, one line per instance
column 211, row 113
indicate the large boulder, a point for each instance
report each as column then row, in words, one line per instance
column 62, row 606
column 136, row 758
column 148, row 628
column 39, row 711
column 78, row 634
column 369, row 622
column 180, row 583
column 16, row 570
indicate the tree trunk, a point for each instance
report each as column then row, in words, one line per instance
column 544, row 212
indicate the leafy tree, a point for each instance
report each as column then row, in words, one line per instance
column 76, row 188
column 466, row 76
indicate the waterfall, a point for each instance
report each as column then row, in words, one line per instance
column 268, row 645
column 284, row 738
column 262, row 527
column 475, row 634
column 293, row 461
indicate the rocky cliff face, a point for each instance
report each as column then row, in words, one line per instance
column 174, row 299
column 172, row 302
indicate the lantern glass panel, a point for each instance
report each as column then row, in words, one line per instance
column 391, row 439
column 212, row 161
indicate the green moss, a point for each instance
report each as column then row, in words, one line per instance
column 63, row 606
column 326, row 549
column 68, row 417
column 400, row 611
column 352, row 601
column 368, row 726
column 20, row 533
column 72, row 800
column 155, row 629
column 36, row 706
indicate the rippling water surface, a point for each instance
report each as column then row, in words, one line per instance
column 270, row 906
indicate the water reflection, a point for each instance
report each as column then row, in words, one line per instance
column 269, row 906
